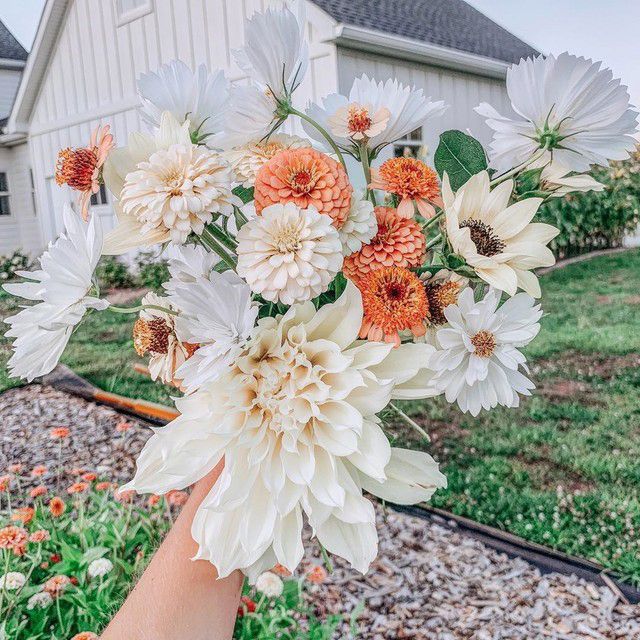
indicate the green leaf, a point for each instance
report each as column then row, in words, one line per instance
column 460, row 156
column 246, row 195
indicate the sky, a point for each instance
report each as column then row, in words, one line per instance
column 603, row 30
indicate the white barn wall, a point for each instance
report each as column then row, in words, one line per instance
column 9, row 81
column 92, row 74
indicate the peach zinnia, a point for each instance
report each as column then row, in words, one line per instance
column 412, row 181
column 394, row 300
column 14, row 539
column 57, row 506
column 77, row 487
column 39, row 471
column 81, row 168
column 23, row 514
column 56, row 585
column 307, row 178
column 399, row 242
column 38, row 491
column 41, row 535
column 59, row 432
column 85, row 635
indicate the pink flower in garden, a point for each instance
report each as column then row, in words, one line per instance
column 38, row 491
column 104, row 486
column 281, row 571
column 154, row 500
column 85, row 635
column 23, row 514
column 124, row 496
column 5, row 482
column 76, row 471
column 14, row 539
column 41, row 535
column 56, row 585
column 177, row 498
column 247, row 605
column 317, row 574
column 15, row 468
column 39, row 471
column 77, row 487
column 89, row 477
column 58, row 433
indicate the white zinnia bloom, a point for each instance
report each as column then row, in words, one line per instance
column 249, row 158
column 359, row 228
column 62, row 284
column 99, row 567
column 269, row 584
column 12, row 581
column 40, row 600
column 288, row 254
column 569, row 102
column 407, row 106
column 216, row 313
column 166, row 187
column 478, row 362
column 200, row 97
column 275, row 52
column 497, row 239
column 295, row 419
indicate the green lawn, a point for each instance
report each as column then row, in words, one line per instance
column 562, row 470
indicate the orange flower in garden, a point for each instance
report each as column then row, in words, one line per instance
column 125, row 496
column 41, row 535
column 281, row 571
column 317, row 574
column 77, row 487
column 76, row 471
column 57, row 506
column 5, row 482
column 14, row 539
column 154, row 500
column 15, row 468
column 39, row 471
column 104, row 486
column 393, row 300
column 177, row 498
column 412, row 181
column 81, row 168
column 123, row 426
column 23, row 514
column 399, row 242
column 85, row 635
column 56, row 585
column 38, row 491
column 89, row 477
column 309, row 179
column 57, row 433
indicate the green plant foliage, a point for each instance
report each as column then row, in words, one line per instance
column 459, row 156
column 113, row 273
column 597, row 220
column 17, row 261
column 152, row 270
column 245, row 194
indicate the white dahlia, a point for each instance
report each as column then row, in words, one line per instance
column 477, row 363
column 497, row 239
column 39, row 600
column 12, row 581
column 359, row 228
column 407, row 109
column 62, row 285
column 568, row 103
column 288, row 254
column 200, row 97
column 249, row 158
column 295, row 419
column 99, row 567
column 269, row 584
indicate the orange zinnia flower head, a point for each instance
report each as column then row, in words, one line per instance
column 81, row 168
column 5, row 482
column 14, row 539
column 57, row 506
column 317, row 574
column 103, row 486
column 24, row 515
column 399, row 242
column 89, row 476
column 38, row 471
column 15, row 468
column 36, row 492
column 85, row 635
column 56, row 585
column 393, row 300
column 154, row 500
column 281, row 571
column 77, row 487
column 76, row 471
column 125, row 496
column 41, row 535
column 412, row 181
column 307, row 178
column 58, row 433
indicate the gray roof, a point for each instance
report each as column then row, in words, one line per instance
column 9, row 47
column 448, row 23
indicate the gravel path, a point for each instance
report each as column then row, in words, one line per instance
column 428, row 583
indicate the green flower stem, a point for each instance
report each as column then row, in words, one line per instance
column 326, row 559
column 4, row 573
column 142, row 307
column 221, row 237
column 431, row 221
column 412, row 423
column 325, row 134
column 434, row 242
column 240, row 217
column 217, row 248
column 366, row 169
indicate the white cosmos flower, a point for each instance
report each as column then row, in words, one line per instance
column 569, row 102
column 200, row 97
column 40, row 600
column 559, row 180
column 288, row 254
column 99, row 567
column 295, row 419
column 62, row 286
column 360, row 227
column 497, row 239
column 12, row 581
column 216, row 313
column 187, row 263
column 275, row 52
column 478, row 362
column 269, row 584
column 408, row 109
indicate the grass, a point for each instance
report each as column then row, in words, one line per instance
column 562, row 470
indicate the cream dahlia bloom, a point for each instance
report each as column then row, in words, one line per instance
column 360, row 227
column 99, row 567
column 12, row 581
column 288, row 254
column 568, row 103
column 248, row 159
column 62, row 286
column 496, row 239
column 478, row 361
column 295, row 419
column 269, row 584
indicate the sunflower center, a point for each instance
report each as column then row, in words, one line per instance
column 75, row 167
column 359, row 120
column 440, row 296
column 484, row 343
column 484, row 237
column 152, row 336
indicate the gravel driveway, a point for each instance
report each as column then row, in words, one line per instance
column 428, row 583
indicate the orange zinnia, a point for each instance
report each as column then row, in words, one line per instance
column 309, row 179
column 24, row 515
column 85, row 635
column 38, row 471
column 77, row 487
column 89, row 476
column 41, row 535
column 399, row 242
column 58, row 433
column 317, row 574
column 104, row 486
column 36, row 492
column 57, row 506
column 56, row 585
column 14, row 539
column 393, row 300
column 5, row 481
column 412, row 181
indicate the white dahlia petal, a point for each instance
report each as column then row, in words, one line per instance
column 359, row 228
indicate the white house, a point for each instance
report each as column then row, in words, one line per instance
column 87, row 55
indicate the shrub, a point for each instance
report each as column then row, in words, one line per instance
column 17, row 261
column 597, row 220
column 114, row 274
column 152, row 271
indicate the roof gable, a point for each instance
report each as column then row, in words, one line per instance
column 10, row 48
column 447, row 23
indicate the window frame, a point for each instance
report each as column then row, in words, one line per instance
column 407, row 141
column 125, row 17
column 6, row 194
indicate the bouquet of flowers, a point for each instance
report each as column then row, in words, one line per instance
column 298, row 309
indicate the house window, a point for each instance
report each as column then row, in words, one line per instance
column 100, row 197
column 411, row 147
column 129, row 10
column 5, row 209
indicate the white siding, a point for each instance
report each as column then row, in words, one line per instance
column 9, row 81
column 92, row 74
column 20, row 230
